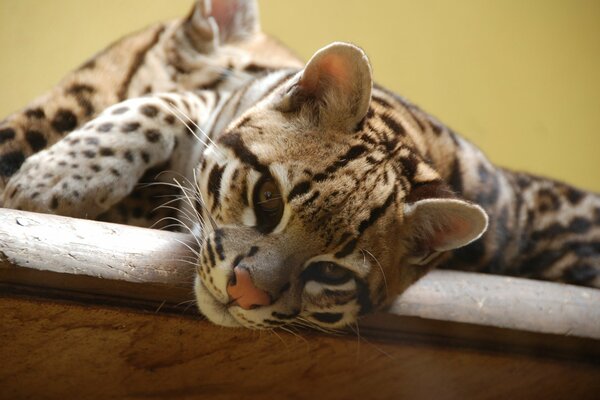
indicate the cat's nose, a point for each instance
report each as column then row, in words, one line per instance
column 243, row 291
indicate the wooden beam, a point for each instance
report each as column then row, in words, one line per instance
column 45, row 254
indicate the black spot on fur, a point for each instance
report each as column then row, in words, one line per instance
column 105, row 127
column 36, row 140
column 130, row 127
column 92, row 141
column 89, row 153
column 170, row 119
column 106, row 152
column 255, row 68
column 128, row 156
column 11, row 162
column 6, row 134
column 120, row 110
column 80, row 88
column 574, row 196
column 152, row 135
column 96, row 168
column 252, row 252
column 145, row 156
column 54, row 203
column 328, row 318
column 149, row 111
column 580, row 225
column 64, row 121
column 36, row 113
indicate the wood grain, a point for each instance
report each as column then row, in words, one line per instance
column 53, row 350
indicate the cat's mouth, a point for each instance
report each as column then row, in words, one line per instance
column 211, row 308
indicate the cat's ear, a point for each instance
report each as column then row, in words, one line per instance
column 214, row 22
column 334, row 89
column 437, row 225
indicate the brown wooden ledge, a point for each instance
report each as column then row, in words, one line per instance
column 71, row 292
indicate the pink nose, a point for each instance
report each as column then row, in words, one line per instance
column 243, row 291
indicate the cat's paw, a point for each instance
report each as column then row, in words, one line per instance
column 76, row 177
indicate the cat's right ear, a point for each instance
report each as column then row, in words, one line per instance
column 215, row 22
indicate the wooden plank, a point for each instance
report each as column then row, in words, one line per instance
column 72, row 351
column 44, row 253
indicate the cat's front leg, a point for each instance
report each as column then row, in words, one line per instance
column 96, row 166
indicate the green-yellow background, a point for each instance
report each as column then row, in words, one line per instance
column 519, row 78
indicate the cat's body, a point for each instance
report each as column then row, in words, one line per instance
column 322, row 196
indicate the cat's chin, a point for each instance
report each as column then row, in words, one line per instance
column 211, row 308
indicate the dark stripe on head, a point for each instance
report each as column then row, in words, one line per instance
column 376, row 213
column 214, row 184
column 347, row 249
column 298, row 190
column 352, row 154
column 234, row 141
column 218, row 238
column 211, row 254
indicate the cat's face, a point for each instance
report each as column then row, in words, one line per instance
column 311, row 222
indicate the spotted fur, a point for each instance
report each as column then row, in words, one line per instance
column 217, row 47
column 370, row 192
column 373, row 186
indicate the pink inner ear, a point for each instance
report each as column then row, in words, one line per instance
column 454, row 230
column 223, row 11
column 331, row 67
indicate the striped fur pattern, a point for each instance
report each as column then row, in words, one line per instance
column 331, row 193
column 374, row 193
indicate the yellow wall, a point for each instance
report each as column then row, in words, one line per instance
column 519, row 78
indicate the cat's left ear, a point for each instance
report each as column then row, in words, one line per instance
column 334, row 89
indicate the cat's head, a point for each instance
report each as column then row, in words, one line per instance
column 318, row 218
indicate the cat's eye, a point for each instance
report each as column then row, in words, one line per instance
column 327, row 272
column 268, row 204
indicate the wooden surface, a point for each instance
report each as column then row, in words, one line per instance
column 93, row 310
column 71, row 351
